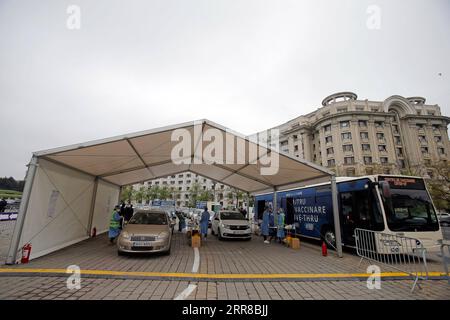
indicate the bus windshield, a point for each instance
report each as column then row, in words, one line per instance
column 409, row 208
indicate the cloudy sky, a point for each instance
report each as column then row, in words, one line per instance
column 248, row 65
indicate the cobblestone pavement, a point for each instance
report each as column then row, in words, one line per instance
column 235, row 257
column 216, row 257
column 109, row 289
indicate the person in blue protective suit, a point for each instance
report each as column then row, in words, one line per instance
column 114, row 224
column 280, row 225
column 265, row 224
column 204, row 223
column 272, row 226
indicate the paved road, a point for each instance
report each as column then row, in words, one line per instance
column 236, row 258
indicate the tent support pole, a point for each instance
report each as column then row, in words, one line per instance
column 15, row 241
column 92, row 209
column 274, row 203
column 337, row 224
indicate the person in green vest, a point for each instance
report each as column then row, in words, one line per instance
column 114, row 224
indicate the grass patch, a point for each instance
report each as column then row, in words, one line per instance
column 10, row 194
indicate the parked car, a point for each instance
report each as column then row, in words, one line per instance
column 147, row 231
column 231, row 224
column 444, row 219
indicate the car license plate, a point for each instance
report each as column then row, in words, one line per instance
column 239, row 231
column 142, row 244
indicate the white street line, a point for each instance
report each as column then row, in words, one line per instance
column 196, row 260
column 186, row 292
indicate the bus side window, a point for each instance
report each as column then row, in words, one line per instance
column 347, row 206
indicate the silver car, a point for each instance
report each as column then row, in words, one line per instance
column 147, row 231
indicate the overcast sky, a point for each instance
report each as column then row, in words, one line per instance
column 248, row 65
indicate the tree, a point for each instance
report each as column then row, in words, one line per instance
column 153, row 192
column 138, row 195
column 127, row 194
column 438, row 184
column 164, row 193
column 194, row 194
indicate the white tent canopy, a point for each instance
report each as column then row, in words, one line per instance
column 70, row 190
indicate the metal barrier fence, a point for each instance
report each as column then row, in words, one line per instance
column 404, row 254
column 445, row 252
column 7, row 224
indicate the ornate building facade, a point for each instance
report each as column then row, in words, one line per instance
column 357, row 137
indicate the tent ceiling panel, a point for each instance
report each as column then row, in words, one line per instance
column 100, row 159
column 146, row 155
column 131, row 177
column 243, row 183
column 157, row 147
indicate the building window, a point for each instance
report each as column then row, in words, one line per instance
column 349, row 160
column 327, row 128
column 328, row 139
column 382, row 148
column 330, row 151
column 397, row 140
column 347, row 148
column 180, row 188
column 424, row 150
column 362, row 123
column 346, row 136
column 295, row 137
column 379, row 124
column 345, row 124
column 369, row 171
column 296, row 147
column 431, row 113
column 399, row 152
column 364, row 135
column 375, row 109
column 420, row 126
column 422, row 139
column 395, row 129
column 365, row 147
column 380, row 136
column 350, row 172
column 441, row 151
column 401, row 163
column 436, row 128
column 438, row 139
column 367, row 160
column 172, row 182
column 156, row 183
column 384, row 160
column 331, row 162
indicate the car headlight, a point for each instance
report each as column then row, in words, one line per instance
column 162, row 235
column 125, row 235
column 226, row 226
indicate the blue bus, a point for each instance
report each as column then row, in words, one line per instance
column 392, row 204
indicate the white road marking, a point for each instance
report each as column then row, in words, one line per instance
column 196, row 260
column 186, row 292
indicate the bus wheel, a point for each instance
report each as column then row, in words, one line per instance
column 330, row 239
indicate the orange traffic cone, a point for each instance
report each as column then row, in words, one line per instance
column 324, row 249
